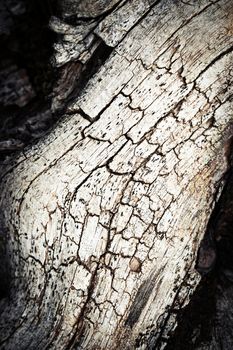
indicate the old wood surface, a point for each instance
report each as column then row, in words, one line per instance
column 104, row 216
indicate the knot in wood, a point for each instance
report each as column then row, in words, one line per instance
column 135, row 265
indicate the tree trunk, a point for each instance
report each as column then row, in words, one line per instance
column 104, row 216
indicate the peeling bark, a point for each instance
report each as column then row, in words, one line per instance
column 104, row 216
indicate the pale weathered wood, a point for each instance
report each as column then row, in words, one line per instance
column 105, row 215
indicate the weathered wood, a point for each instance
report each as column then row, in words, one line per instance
column 105, row 215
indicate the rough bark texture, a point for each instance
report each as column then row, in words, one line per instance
column 105, row 215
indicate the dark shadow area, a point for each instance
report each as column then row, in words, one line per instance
column 196, row 320
column 206, row 322
column 26, row 75
column 28, row 81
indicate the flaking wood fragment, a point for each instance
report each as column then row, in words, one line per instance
column 105, row 215
column 115, row 26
